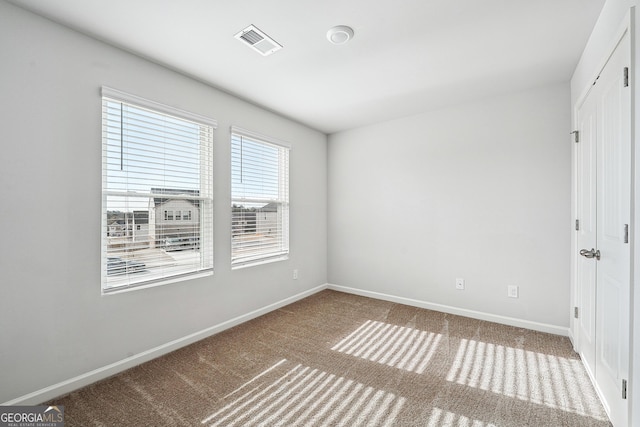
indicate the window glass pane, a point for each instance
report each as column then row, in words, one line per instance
column 146, row 149
column 254, row 170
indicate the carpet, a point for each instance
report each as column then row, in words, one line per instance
column 335, row 359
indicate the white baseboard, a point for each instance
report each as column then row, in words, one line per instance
column 67, row 386
column 572, row 339
column 511, row 321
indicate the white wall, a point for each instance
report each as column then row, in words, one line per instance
column 479, row 191
column 593, row 58
column 54, row 324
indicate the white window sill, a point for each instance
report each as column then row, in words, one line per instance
column 259, row 262
column 162, row 282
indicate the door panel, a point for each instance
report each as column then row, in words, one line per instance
column 611, row 292
column 613, row 212
column 586, row 211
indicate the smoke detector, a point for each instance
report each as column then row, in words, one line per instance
column 258, row 40
column 340, row 34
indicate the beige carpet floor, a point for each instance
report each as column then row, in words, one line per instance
column 335, row 359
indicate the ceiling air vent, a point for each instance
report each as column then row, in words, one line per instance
column 258, row 40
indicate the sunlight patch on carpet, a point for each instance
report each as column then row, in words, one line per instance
column 392, row 345
column 288, row 394
column 440, row 417
column 552, row 381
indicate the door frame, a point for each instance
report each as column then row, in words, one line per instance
column 627, row 26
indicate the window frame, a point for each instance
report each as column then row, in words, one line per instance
column 204, row 195
column 282, row 201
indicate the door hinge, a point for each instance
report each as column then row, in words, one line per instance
column 626, row 233
column 577, row 224
column 624, row 389
column 626, row 76
column 575, row 312
column 576, row 135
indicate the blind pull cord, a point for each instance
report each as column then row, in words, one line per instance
column 121, row 139
column 241, row 161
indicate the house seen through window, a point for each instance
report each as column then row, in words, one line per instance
column 157, row 192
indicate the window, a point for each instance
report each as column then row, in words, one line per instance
column 186, row 215
column 155, row 160
column 259, row 198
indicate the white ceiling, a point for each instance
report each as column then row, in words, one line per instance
column 407, row 56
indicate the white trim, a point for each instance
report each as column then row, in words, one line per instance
column 136, row 286
column 625, row 27
column 260, row 261
column 118, row 95
column 573, row 340
column 67, row 386
column 261, row 138
column 510, row 321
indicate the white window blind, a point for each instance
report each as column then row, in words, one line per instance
column 157, row 201
column 260, row 199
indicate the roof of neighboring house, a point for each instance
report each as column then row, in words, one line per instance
column 157, row 201
column 269, row 207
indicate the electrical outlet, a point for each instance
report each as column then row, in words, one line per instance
column 512, row 291
column 295, row 274
column 460, row 284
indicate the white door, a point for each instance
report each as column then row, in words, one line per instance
column 604, row 195
column 586, row 208
column 613, row 215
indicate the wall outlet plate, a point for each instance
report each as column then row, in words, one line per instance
column 460, row 283
column 512, row 291
column 295, row 274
